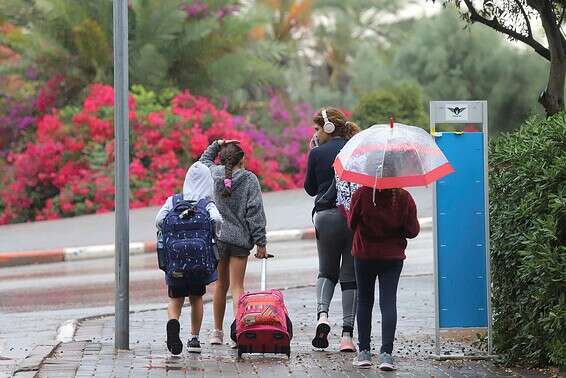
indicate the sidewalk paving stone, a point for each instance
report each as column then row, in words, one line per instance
column 91, row 353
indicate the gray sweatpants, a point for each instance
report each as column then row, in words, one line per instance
column 335, row 263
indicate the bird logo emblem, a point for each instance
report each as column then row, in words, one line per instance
column 456, row 110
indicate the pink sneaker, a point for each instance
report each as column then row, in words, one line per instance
column 347, row 344
column 216, row 337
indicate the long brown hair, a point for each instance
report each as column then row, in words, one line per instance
column 344, row 128
column 231, row 155
column 390, row 195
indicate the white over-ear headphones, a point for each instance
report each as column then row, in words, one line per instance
column 328, row 126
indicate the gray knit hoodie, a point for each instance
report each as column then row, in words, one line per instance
column 244, row 217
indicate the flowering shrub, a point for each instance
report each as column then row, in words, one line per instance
column 284, row 142
column 19, row 112
column 66, row 166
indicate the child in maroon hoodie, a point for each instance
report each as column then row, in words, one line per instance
column 382, row 220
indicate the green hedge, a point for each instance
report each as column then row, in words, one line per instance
column 528, row 242
column 404, row 102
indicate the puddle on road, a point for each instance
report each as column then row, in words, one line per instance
column 172, row 363
column 187, row 369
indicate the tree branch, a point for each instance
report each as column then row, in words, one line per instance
column 562, row 16
column 494, row 24
column 524, row 13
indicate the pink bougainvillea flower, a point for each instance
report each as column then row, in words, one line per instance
column 49, row 93
column 137, row 170
column 69, row 158
column 156, row 118
column 48, row 127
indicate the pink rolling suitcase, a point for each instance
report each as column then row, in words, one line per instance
column 262, row 321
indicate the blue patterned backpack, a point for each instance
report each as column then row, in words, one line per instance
column 188, row 242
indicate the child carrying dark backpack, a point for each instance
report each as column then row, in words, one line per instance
column 187, row 224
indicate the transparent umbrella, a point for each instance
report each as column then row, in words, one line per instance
column 392, row 156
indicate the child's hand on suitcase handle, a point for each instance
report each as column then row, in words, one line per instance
column 261, row 252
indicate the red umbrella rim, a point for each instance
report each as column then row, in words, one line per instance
column 392, row 182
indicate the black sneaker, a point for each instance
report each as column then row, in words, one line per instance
column 320, row 340
column 174, row 343
column 193, row 345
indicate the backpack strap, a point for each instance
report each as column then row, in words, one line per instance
column 203, row 202
column 176, row 198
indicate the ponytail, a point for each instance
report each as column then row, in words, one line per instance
column 351, row 130
column 228, row 170
column 230, row 156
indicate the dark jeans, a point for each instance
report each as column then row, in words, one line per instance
column 387, row 272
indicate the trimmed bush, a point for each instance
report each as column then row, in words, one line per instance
column 528, row 242
column 403, row 102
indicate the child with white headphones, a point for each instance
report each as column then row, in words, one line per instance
column 334, row 238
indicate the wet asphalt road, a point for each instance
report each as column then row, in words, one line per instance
column 91, row 283
column 36, row 299
column 84, row 284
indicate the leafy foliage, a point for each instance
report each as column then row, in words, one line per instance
column 403, row 102
column 324, row 74
column 528, row 242
column 451, row 63
column 185, row 44
column 516, row 19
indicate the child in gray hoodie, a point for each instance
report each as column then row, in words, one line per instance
column 237, row 195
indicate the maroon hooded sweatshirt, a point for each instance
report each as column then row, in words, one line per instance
column 381, row 230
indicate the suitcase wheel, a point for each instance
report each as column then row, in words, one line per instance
column 241, row 350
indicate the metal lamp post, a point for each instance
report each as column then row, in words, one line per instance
column 122, row 245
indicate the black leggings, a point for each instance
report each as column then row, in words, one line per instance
column 388, row 272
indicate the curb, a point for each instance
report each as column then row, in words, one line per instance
column 30, row 365
column 107, row 250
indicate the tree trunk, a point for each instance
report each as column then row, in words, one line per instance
column 553, row 98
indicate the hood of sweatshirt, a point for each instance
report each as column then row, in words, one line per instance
column 198, row 182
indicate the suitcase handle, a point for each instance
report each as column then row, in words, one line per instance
column 263, row 270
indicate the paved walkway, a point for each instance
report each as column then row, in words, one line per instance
column 92, row 354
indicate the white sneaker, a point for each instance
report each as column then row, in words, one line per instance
column 216, row 337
